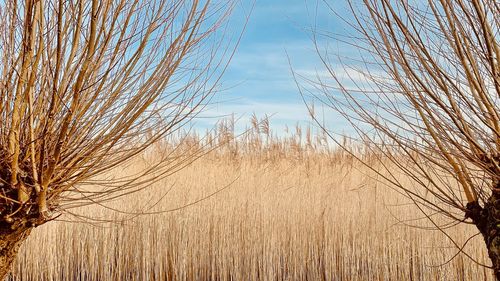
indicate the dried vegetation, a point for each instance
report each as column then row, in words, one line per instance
column 266, row 208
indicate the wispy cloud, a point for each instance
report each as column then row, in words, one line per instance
column 259, row 79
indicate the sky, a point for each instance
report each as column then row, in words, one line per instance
column 259, row 79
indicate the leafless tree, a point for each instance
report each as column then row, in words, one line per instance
column 424, row 94
column 81, row 84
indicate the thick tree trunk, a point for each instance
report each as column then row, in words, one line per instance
column 487, row 220
column 10, row 241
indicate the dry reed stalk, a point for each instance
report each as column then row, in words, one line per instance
column 314, row 219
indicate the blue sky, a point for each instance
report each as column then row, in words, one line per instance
column 259, row 78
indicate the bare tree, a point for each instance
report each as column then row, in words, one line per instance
column 81, row 84
column 424, row 94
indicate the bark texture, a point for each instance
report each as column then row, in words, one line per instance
column 11, row 238
column 487, row 220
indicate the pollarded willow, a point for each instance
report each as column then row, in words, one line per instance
column 83, row 85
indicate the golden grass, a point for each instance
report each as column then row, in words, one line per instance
column 287, row 219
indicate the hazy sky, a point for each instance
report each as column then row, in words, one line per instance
column 259, row 79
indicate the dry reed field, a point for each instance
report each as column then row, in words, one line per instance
column 281, row 212
column 99, row 135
